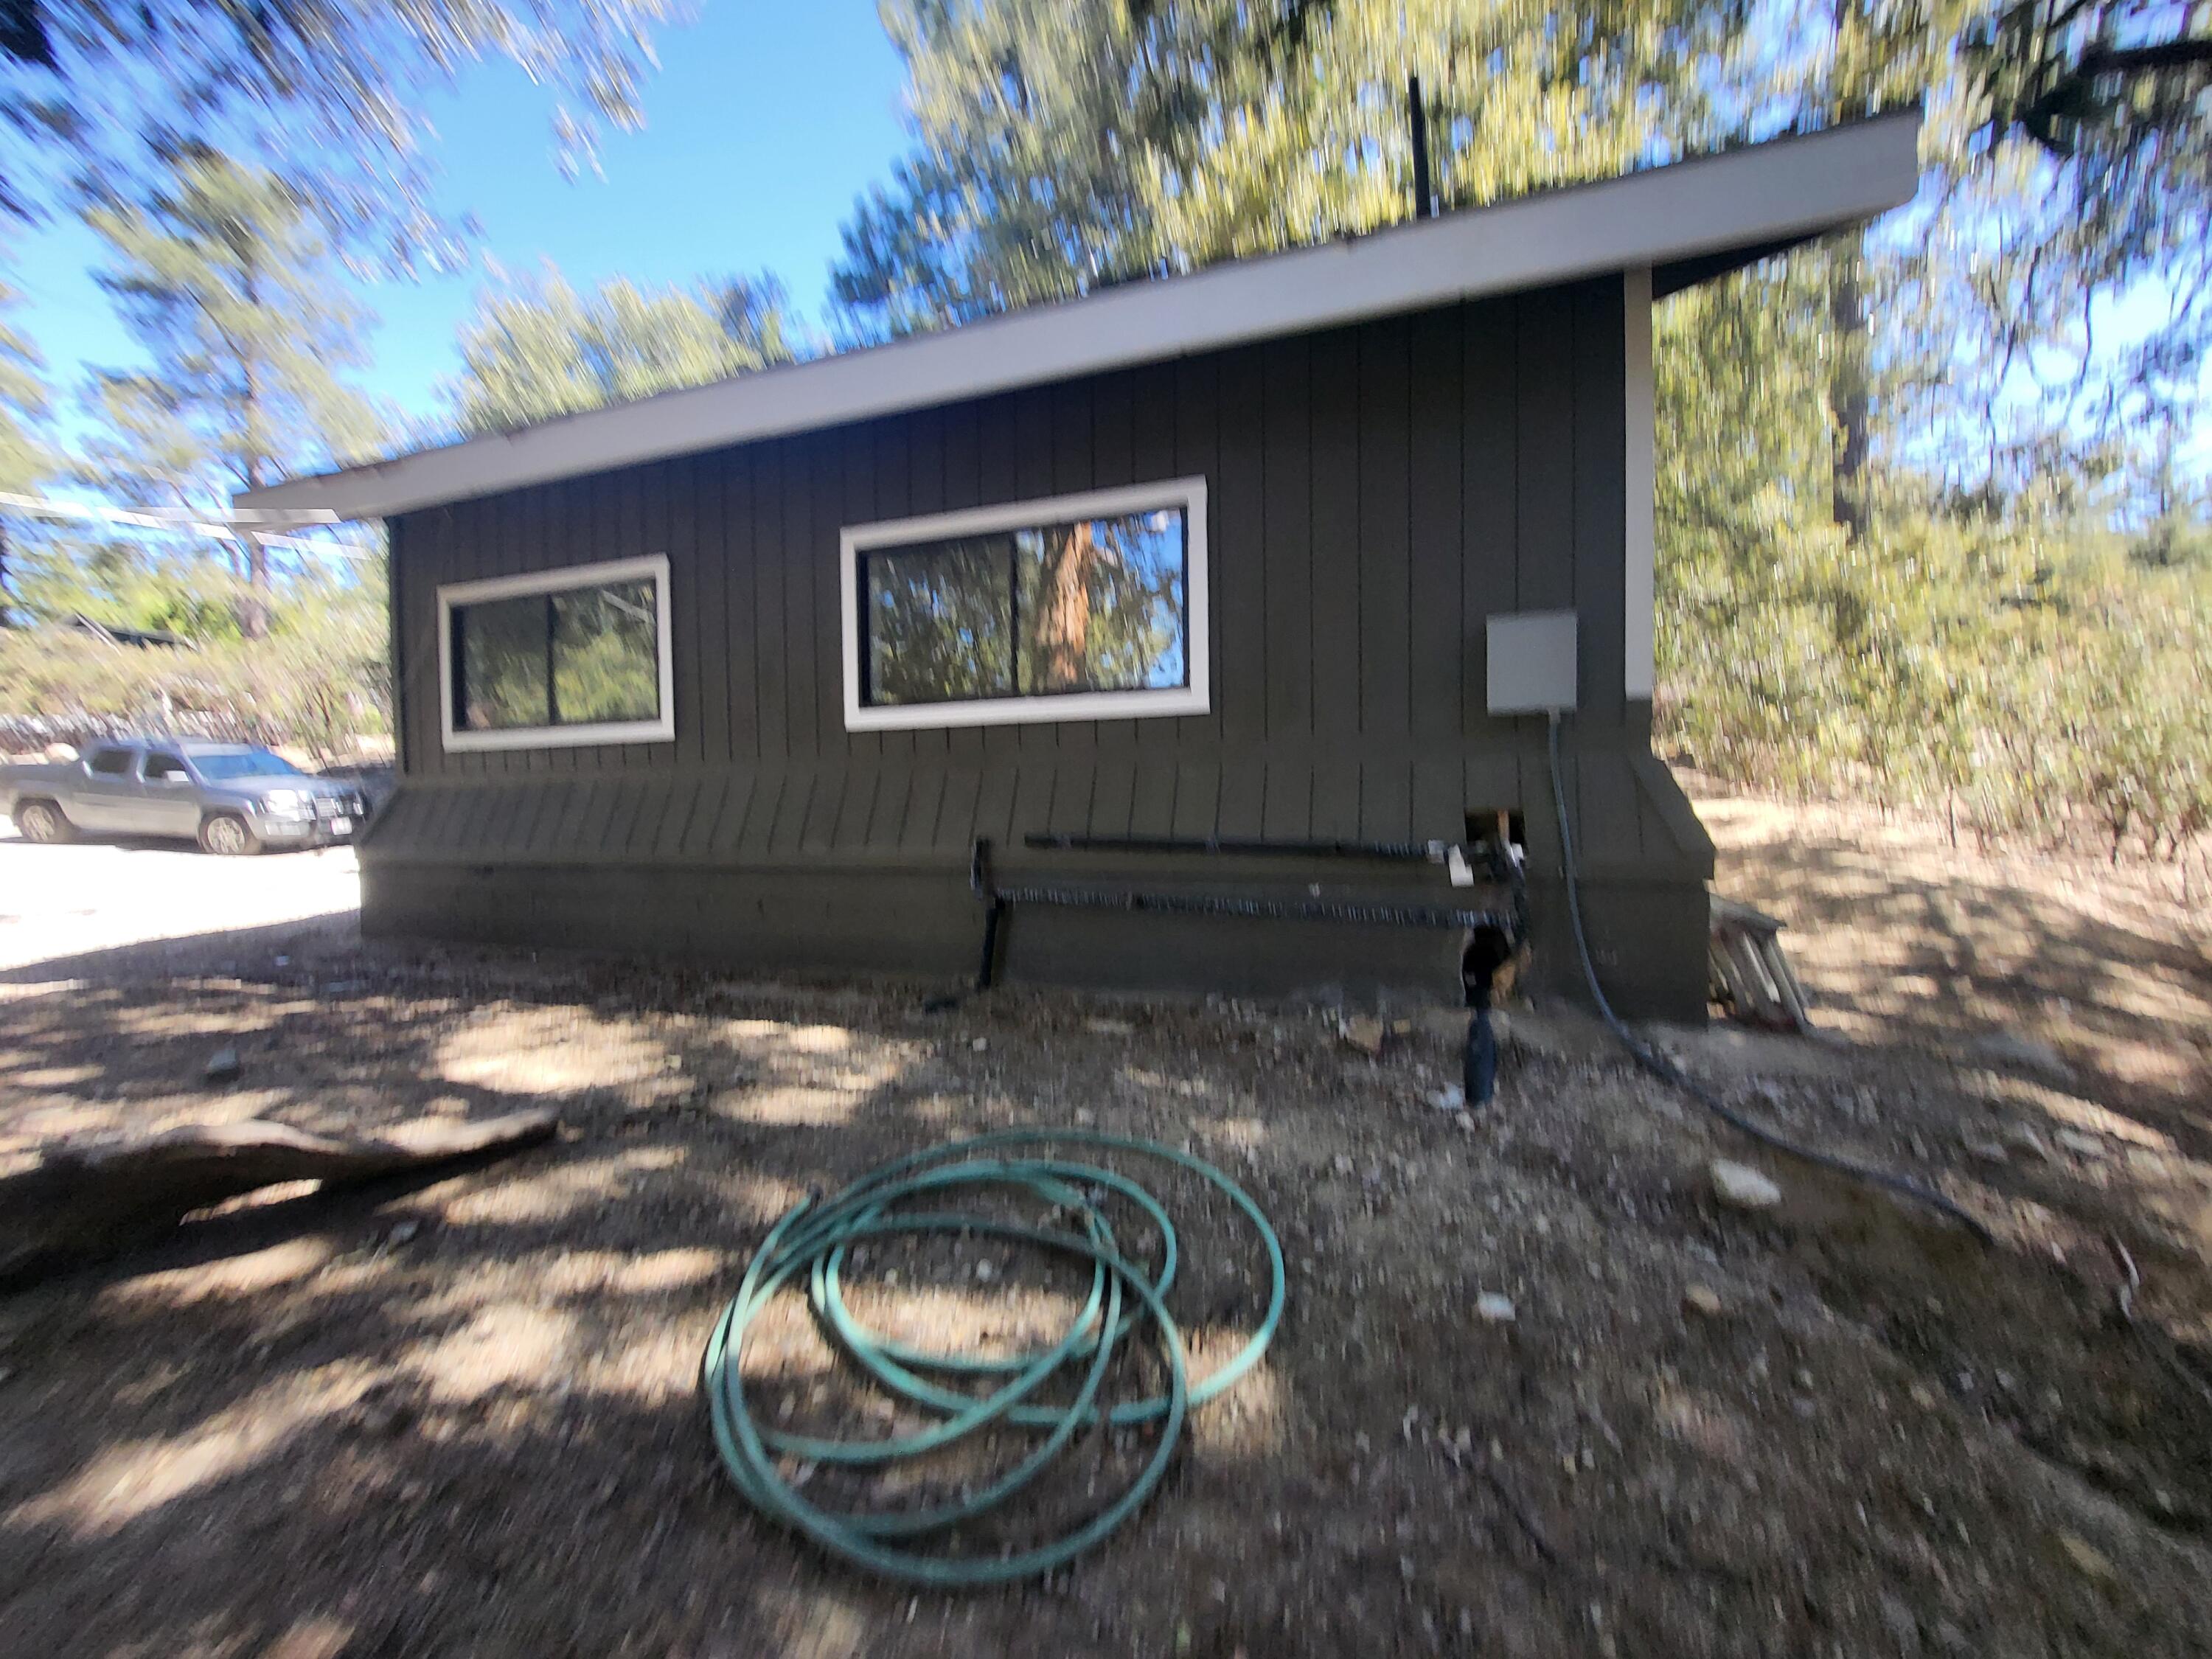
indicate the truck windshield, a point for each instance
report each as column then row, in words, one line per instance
column 245, row 763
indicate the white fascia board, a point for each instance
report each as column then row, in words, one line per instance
column 1760, row 194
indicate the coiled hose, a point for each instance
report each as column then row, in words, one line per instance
column 813, row 1242
column 1665, row 1069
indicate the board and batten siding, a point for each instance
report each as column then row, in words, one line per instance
column 1375, row 492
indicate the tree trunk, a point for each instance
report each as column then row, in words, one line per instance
column 80, row 1202
column 1064, row 629
column 253, row 612
column 253, row 615
column 1848, row 394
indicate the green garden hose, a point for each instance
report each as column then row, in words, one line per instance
column 813, row 1240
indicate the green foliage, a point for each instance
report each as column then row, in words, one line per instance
column 2114, row 90
column 331, row 90
column 542, row 349
column 24, row 459
column 223, row 276
column 606, row 654
column 319, row 679
column 1062, row 146
column 2176, row 521
column 2023, row 671
column 126, row 584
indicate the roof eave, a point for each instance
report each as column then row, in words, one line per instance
column 1687, row 221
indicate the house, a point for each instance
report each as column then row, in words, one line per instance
column 1300, row 550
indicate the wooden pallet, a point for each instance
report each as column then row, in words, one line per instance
column 1751, row 976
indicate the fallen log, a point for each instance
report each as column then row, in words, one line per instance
column 84, row 1201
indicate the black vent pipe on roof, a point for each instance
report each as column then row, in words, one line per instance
column 1424, row 201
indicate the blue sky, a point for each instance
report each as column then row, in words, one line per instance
column 763, row 123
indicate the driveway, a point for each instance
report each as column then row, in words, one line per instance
column 59, row 902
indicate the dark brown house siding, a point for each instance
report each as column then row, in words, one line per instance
column 1376, row 493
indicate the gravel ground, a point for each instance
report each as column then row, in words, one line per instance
column 462, row 1419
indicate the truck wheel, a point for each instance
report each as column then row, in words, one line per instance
column 42, row 822
column 225, row 834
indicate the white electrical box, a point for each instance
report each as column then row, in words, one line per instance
column 1531, row 662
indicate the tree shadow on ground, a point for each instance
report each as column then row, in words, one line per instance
column 451, row 1414
column 1943, row 954
column 462, row 1418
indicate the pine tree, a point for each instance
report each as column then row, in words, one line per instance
column 224, row 278
column 330, row 92
column 1061, row 147
column 24, row 459
column 2116, row 87
column 541, row 349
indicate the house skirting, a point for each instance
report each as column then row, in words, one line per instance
column 920, row 920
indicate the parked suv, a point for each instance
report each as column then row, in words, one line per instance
column 231, row 797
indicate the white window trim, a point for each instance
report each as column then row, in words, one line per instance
column 554, row 582
column 1191, row 698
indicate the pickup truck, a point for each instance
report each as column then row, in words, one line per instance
column 231, row 797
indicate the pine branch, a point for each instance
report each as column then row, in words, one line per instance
column 2155, row 59
column 23, row 33
column 2071, row 91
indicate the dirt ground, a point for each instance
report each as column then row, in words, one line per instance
column 462, row 1419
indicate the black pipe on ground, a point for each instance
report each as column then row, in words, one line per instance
column 1492, row 937
column 1392, row 852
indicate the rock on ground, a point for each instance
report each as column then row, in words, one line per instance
column 1740, row 1187
column 2011, row 1048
